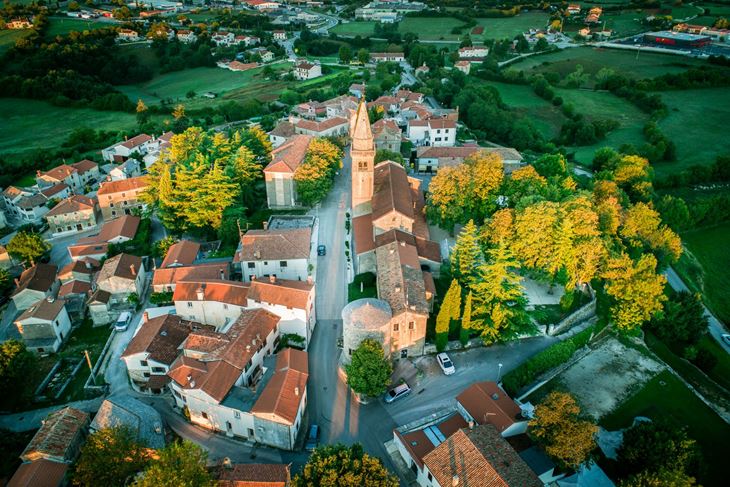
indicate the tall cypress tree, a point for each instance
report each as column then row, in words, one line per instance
column 466, row 256
column 466, row 326
column 450, row 310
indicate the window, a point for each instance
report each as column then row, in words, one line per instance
column 204, row 414
column 111, row 205
column 114, row 213
column 430, row 477
column 190, row 304
column 158, row 370
column 251, row 265
column 225, row 306
column 143, row 363
column 266, row 263
column 282, row 263
column 411, row 325
column 395, row 327
column 55, row 322
column 237, row 414
column 146, row 374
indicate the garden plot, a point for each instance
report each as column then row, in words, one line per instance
column 607, row 376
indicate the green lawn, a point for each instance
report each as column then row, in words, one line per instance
column 546, row 118
column 697, row 125
column 709, row 246
column 27, row 125
column 509, row 27
column 9, row 37
column 667, row 397
column 369, row 290
column 361, row 28
column 64, row 25
column 648, row 65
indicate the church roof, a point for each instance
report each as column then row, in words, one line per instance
column 362, row 136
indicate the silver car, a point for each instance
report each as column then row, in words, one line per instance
column 445, row 363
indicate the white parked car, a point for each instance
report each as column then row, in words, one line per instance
column 123, row 321
column 445, row 363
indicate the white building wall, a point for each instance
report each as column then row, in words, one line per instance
column 295, row 269
column 215, row 313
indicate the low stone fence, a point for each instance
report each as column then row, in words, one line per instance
column 583, row 313
column 90, row 386
column 47, row 380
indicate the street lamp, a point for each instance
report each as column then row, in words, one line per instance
column 499, row 373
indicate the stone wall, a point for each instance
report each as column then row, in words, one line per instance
column 581, row 314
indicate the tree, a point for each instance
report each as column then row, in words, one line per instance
column 143, row 113
column 27, row 246
column 315, row 176
column 6, row 282
column 499, row 301
column 558, row 427
column 467, row 255
column 662, row 478
column 110, row 457
column 654, row 446
column 345, row 54
column 388, row 155
column 16, row 365
column 682, row 321
column 73, row 6
column 363, row 56
column 450, row 311
column 369, row 371
column 642, row 229
column 466, row 324
column 164, row 245
column 343, row 466
column 637, row 291
column 180, row 464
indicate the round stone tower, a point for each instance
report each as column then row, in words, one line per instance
column 365, row 318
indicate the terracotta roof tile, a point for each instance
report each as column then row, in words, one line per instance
column 130, row 184
column 59, row 173
column 57, row 435
column 221, row 291
column 183, row 252
column 283, row 292
column 254, row 475
column 288, row 156
column 84, row 165
column 43, row 310
column 392, row 191
column 198, row 272
column 323, row 125
column 281, row 398
column 276, row 244
column 488, row 404
column 125, row 266
column 161, row 337
column 41, row 472
column 136, row 141
column 74, row 287
column 71, row 204
column 40, row 277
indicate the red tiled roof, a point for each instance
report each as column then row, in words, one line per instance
column 40, row 277
column 287, row 157
column 183, row 252
column 161, row 336
column 54, row 190
column 71, row 204
column 488, row 404
column 323, row 125
column 276, row 244
column 281, row 398
column 136, row 141
column 75, row 266
column 59, row 173
column 84, row 165
column 391, row 192
column 40, row 473
column 74, row 287
column 283, row 292
column 43, row 310
column 111, row 187
column 56, row 437
column 363, row 231
column 199, row 272
column 254, row 475
column 126, row 266
column 220, row 291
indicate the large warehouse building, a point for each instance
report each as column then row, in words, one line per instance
column 677, row 39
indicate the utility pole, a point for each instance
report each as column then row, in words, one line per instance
column 499, row 373
column 91, row 368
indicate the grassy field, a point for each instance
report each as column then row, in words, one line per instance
column 593, row 59
column 228, row 85
column 361, row 28
column 709, row 248
column 9, row 37
column 696, row 123
column 509, row 27
column 546, row 118
column 666, row 397
column 24, row 120
column 64, row 25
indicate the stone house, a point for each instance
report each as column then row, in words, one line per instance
column 283, row 253
column 437, row 132
column 281, row 189
column 119, row 198
column 121, row 151
column 253, row 475
column 431, row 159
column 121, row 276
column 75, row 293
column 45, row 325
column 214, row 302
column 74, row 214
column 76, row 176
column 292, row 301
column 59, row 438
column 387, row 135
column 128, row 169
column 35, row 284
column 141, row 419
column 329, row 127
column 305, row 70
column 281, row 133
column 118, row 230
column 154, row 348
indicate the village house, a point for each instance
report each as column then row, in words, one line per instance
column 74, row 214
column 215, row 302
column 121, row 276
column 19, row 23
column 142, row 420
column 341, row 106
column 265, row 55
column 121, row 151
column 357, row 90
column 407, row 95
column 118, row 198
column 329, row 127
column 387, row 135
column 75, row 293
column 381, row 57
column 283, row 253
column 222, row 38
column 35, row 284
column 238, row 66
column 281, row 133
column 181, row 264
column 311, row 109
column 422, row 70
column 118, row 230
column 154, row 348
column 463, row 66
column 473, row 52
column 389, row 104
column 30, row 205
column 128, row 35
column 279, row 35
column 431, row 159
column 304, row 70
column 263, row 4
column 292, row 301
column 78, row 270
column 229, row 385
column 438, row 132
column 252, row 475
column 76, row 176
column 486, row 403
column 186, row 36
column 281, row 191
column 44, row 325
column 46, row 459
column 127, row 169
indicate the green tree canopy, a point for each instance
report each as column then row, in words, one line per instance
column 315, row 176
column 369, row 370
column 467, row 255
column 27, row 246
column 110, row 457
column 16, row 365
column 180, row 464
column 343, row 466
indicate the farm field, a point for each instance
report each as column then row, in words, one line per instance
column 546, row 118
column 226, row 84
column 696, row 124
column 23, row 120
column 509, row 27
column 666, row 397
column 9, row 37
column 64, row 25
column 593, row 59
column 706, row 245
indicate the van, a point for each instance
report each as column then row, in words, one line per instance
column 397, row 392
column 123, row 321
column 313, row 438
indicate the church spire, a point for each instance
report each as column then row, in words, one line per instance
column 362, row 136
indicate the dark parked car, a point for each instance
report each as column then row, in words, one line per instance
column 313, row 438
column 321, row 250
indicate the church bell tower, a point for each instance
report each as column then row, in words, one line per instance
column 362, row 153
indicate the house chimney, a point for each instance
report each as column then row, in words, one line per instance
column 145, row 317
column 253, row 277
column 227, row 463
column 222, row 274
column 471, row 424
column 272, row 278
column 296, row 391
column 454, row 480
column 310, row 280
column 38, row 172
column 266, row 225
column 17, row 282
column 200, row 293
column 132, row 269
